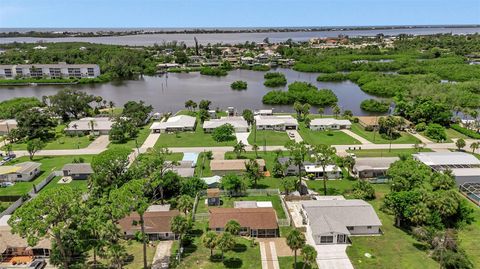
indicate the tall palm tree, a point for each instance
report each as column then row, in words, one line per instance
column 209, row 240
column 92, row 125
column 324, row 155
column 295, row 241
column 298, row 153
column 225, row 242
column 239, row 148
column 474, row 146
column 179, row 225
column 336, row 110
column 255, row 148
column 309, row 255
column 185, row 204
column 320, row 111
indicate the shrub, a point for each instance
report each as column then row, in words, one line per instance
column 239, row 85
column 260, row 68
column 302, row 92
column 465, row 131
column 209, row 71
column 436, row 132
column 369, row 128
column 373, row 105
column 421, row 127
column 224, row 133
column 332, row 77
column 270, row 75
column 275, row 82
column 363, row 190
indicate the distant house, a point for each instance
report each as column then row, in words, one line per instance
column 212, row 182
column 372, row 167
column 254, row 222
column 157, row 224
column 25, row 171
column 180, row 123
column 213, row 197
column 264, row 112
column 223, row 167
column 99, row 125
column 184, row 168
column 333, row 221
column 329, row 124
column 276, row 123
column 239, row 124
column 333, row 171
column 6, row 126
column 77, row 170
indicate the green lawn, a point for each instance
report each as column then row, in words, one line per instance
column 197, row 256
column 228, row 202
column 452, row 133
column 287, row 262
column 141, row 137
column 334, row 187
column 394, row 249
column 376, row 138
column 385, row 152
column 470, row 235
column 191, row 139
column 134, row 251
column 49, row 164
column 268, row 138
column 203, row 166
column 61, row 141
column 326, row 137
column 74, row 184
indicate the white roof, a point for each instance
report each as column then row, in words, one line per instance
column 180, row 121
column 276, row 120
column 211, row 180
column 236, row 122
column 374, row 163
column 446, row 158
column 83, row 124
column 4, row 221
column 159, row 208
column 329, row 122
column 463, row 172
column 312, row 168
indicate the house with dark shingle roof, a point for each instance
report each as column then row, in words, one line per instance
column 157, row 224
column 77, row 170
column 254, row 222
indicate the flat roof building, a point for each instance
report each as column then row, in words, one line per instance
column 239, row 124
column 176, row 123
column 276, row 122
column 60, row 70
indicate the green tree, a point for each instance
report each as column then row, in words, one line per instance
column 232, row 227
column 295, row 241
column 137, row 112
column 34, row 123
column 389, row 127
column 255, row 148
column 320, row 111
column 460, row 143
column 191, row 186
column 185, row 204
column 225, row 242
column 336, row 110
column 363, row 190
column 408, row 174
column 436, row 132
column 253, row 171
column 233, row 184
column 239, row 148
column 474, row 146
column 69, row 102
column 298, row 107
column 205, row 104
column 298, row 152
column 180, row 226
column 110, row 170
column 288, row 184
column 247, row 115
column 324, row 155
column 309, row 255
column 349, row 163
column 209, row 240
column 33, row 146
column 203, row 115
column 223, row 133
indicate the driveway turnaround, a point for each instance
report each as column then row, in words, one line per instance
column 162, row 255
column 243, row 137
column 354, row 135
column 294, row 135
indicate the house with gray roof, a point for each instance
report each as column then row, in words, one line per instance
column 333, row 221
column 239, row 124
column 372, row 167
column 329, row 124
column 25, row 171
column 77, row 170
column 276, row 122
column 89, row 125
column 180, row 123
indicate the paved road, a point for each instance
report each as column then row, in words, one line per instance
column 354, row 135
column 268, row 254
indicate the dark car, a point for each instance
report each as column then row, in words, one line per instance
column 37, row 264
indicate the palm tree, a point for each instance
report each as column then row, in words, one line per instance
column 209, row 240
column 92, row 125
column 239, row 148
column 185, row 204
column 295, row 241
column 298, row 107
column 324, row 155
column 255, row 148
column 298, row 152
column 233, row 227
column 336, row 110
column 320, row 111
column 225, row 242
column 309, row 255
column 474, row 146
column 252, row 171
column 349, row 162
column 179, row 225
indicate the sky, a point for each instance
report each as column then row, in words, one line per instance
column 234, row 13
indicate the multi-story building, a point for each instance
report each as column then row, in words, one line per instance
column 60, row 70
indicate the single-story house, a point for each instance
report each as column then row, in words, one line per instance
column 223, row 167
column 213, row 197
column 277, row 122
column 99, row 125
column 6, row 126
column 25, row 171
column 157, row 224
column 309, row 168
column 372, row 167
column 184, row 168
column 239, row 124
column 465, row 166
column 333, row 221
column 212, row 182
column 180, row 123
column 264, row 112
column 77, row 170
column 329, row 124
column 254, row 222
column 12, row 245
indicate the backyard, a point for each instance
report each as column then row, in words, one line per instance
column 326, row 137
column 385, row 152
column 376, row 138
column 268, row 138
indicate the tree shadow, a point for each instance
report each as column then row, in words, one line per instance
column 421, row 246
column 240, row 248
column 233, row 263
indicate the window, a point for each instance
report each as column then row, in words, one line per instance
column 369, row 227
column 19, row 176
column 326, row 239
column 350, row 228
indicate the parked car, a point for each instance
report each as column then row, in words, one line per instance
column 37, row 264
column 6, row 184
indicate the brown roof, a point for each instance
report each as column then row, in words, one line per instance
column 215, row 192
column 155, row 222
column 8, row 239
column 256, row 218
column 232, row 165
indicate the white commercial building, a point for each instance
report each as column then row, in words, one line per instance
column 90, row 125
column 60, row 70
column 239, row 124
column 174, row 124
column 329, row 124
column 277, row 122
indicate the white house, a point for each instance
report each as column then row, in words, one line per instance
column 332, row 171
column 239, row 124
column 277, row 122
column 333, row 221
column 99, row 125
column 60, row 70
column 173, row 124
column 329, row 124
column 25, row 171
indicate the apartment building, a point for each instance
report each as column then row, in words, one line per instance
column 60, row 70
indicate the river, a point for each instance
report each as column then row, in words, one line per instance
column 234, row 38
column 169, row 92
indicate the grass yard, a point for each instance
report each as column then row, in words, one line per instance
column 49, row 164
column 4, row 205
column 334, row 187
column 81, row 185
column 326, row 137
column 135, row 255
column 61, row 141
column 451, row 133
column 268, row 138
column 228, row 202
column 196, row 255
column 191, row 139
column 470, row 235
column 141, row 137
column 287, row 262
column 385, row 152
column 203, row 166
column 394, row 249
column 405, row 138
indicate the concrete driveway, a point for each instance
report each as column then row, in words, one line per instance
column 243, row 137
column 150, row 141
column 162, row 255
column 294, row 135
column 330, row 256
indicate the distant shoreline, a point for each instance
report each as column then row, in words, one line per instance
column 105, row 32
